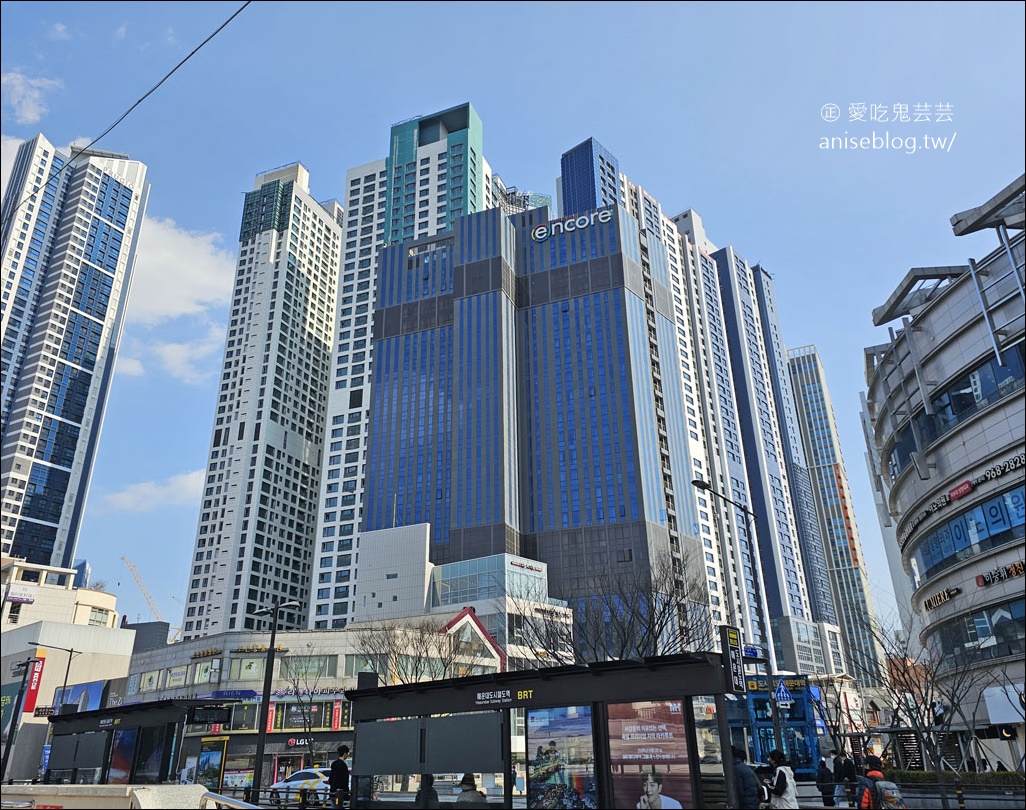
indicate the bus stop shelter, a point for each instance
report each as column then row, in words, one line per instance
column 575, row 736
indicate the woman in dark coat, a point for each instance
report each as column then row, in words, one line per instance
column 825, row 784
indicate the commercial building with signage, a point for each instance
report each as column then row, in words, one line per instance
column 769, row 717
column 201, row 699
column 945, row 406
column 79, row 652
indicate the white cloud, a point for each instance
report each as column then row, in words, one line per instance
column 169, row 37
column 129, row 366
column 186, row 361
column 121, row 32
column 58, row 31
column 178, row 490
column 178, row 273
column 26, row 96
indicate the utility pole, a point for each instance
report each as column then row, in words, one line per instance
column 12, row 735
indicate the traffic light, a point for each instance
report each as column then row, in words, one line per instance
column 1007, row 732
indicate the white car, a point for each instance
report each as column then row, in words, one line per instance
column 312, row 780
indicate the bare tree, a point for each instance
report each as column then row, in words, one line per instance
column 835, row 710
column 304, row 674
column 926, row 691
column 641, row 611
column 423, row 649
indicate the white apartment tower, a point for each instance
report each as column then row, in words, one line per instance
column 70, row 232
column 256, row 537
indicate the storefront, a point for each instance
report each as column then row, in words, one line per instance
column 198, row 740
column 760, row 722
column 137, row 744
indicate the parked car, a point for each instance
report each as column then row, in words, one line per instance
column 313, row 780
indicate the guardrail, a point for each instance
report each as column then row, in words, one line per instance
column 284, row 799
column 217, row 800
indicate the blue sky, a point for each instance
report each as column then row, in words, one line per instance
column 711, row 106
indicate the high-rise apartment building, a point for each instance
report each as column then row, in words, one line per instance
column 543, row 387
column 846, row 564
column 70, row 232
column 821, row 597
column 256, row 536
column 527, row 395
column 754, row 450
column 434, row 174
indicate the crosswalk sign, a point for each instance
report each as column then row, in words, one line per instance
column 783, row 694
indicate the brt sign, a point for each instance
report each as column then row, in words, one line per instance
column 539, row 233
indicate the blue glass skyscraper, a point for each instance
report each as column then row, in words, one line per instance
column 520, row 401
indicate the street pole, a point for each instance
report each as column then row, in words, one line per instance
column 72, row 652
column 265, row 705
column 12, row 735
column 757, row 571
column 778, row 737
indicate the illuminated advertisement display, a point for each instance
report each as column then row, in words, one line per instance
column 210, row 768
column 648, row 754
column 561, row 758
column 122, row 753
column 82, row 697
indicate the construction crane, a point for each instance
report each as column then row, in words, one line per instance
column 176, row 632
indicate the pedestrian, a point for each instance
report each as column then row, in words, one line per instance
column 469, row 791
column 427, row 796
column 875, row 790
column 825, row 783
column 745, row 781
column 338, row 779
column 782, row 787
column 845, row 777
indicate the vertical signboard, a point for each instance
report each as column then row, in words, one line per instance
column 35, row 677
column 733, row 659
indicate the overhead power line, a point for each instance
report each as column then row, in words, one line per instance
column 75, row 151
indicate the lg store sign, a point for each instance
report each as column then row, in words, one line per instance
column 539, row 233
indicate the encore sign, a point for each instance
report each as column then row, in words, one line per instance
column 539, row 233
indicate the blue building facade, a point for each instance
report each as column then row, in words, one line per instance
column 518, row 404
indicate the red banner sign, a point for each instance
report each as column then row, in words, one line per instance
column 962, row 489
column 34, row 679
column 270, row 717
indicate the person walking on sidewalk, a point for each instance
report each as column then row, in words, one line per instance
column 745, row 781
column 845, row 777
column 782, row 787
column 825, row 784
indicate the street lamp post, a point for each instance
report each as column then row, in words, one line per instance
column 12, row 735
column 72, row 652
column 265, row 705
column 705, row 486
